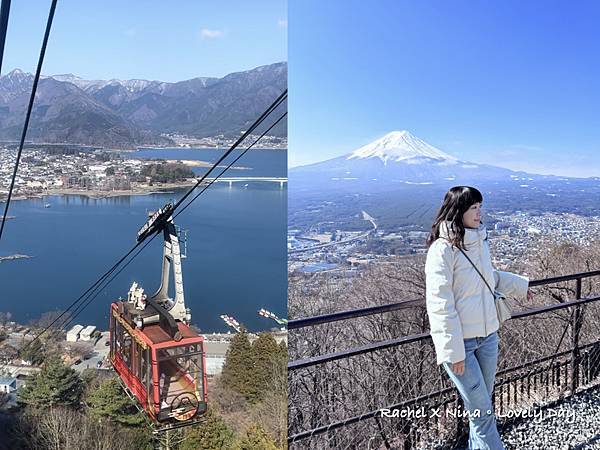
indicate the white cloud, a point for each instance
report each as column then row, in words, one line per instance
column 282, row 23
column 206, row 33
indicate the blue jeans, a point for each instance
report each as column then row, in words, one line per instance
column 476, row 386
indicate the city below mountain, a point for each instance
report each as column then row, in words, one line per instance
column 131, row 113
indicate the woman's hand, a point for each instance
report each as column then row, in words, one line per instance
column 459, row 367
column 529, row 295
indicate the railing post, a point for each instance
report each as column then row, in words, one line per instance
column 576, row 327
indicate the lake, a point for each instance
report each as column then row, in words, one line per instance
column 236, row 260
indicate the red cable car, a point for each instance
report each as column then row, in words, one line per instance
column 159, row 358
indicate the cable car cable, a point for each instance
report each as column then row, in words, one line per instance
column 89, row 293
column 36, row 79
column 256, row 123
column 96, row 291
column 233, row 162
column 93, row 295
column 93, row 287
column 4, row 12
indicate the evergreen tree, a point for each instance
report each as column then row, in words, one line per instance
column 32, row 352
column 212, row 434
column 238, row 370
column 164, row 172
column 249, row 369
column 256, row 439
column 108, row 400
column 90, row 378
column 55, row 385
column 4, row 399
column 266, row 356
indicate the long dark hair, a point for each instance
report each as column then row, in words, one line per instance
column 456, row 202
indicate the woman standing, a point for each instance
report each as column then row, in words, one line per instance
column 461, row 309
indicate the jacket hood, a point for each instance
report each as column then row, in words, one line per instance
column 472, row 235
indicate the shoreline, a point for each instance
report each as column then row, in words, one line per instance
column 138, row 190
column 181, row 147
column 165, row 188
column 199, row 163
column 133, row 149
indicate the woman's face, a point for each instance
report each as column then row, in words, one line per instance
column 472, row 216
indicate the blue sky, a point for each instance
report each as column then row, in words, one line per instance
column 510, row 83
column 158, row 40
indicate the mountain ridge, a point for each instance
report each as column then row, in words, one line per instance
column 395, row 159
column 129, row 113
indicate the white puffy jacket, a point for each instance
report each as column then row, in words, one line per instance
column 459, row 304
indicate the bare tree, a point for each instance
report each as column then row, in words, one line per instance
column 66, row 429
column 79, row 349
column 272, row 411
column 48, row 319
column 347, row 387
column 5, row 318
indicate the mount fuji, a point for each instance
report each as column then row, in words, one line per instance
column 395, row 159
column 400, row 180
column 402, row 146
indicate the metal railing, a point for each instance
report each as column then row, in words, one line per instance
column 336, row 398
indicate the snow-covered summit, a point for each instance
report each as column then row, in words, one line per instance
column 16, row 74
column 134, row 85
column 401, row 146
column 14, row 83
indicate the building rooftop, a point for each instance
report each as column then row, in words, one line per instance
column 76, row 329
column 7, row 380
column 89, row 329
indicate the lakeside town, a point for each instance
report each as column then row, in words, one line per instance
column 66, row 170
column 511, row 237
column 220, row 141
column 54, row 169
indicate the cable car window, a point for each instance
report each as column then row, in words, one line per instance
column 124, row 343
column 112, row 335
column 144, row 366
column 180, row 373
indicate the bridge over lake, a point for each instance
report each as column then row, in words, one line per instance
column 231, row 180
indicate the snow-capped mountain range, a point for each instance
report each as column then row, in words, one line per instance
column 399, row 158
column 133, row 85
column 129, row 113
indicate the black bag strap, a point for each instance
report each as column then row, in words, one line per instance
column 475, row 267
